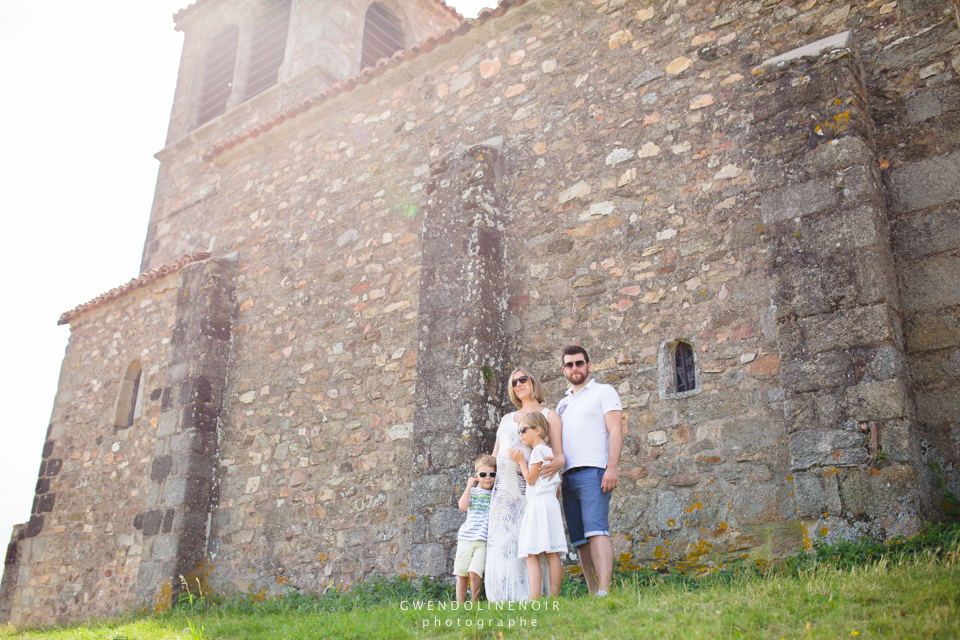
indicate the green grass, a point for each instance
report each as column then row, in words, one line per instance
column 907, row 589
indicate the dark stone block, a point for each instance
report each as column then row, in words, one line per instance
column 202, row 417
column 196, row 389
column 219, row 329
column 178, row 334
column 161, row 468
column 43, row 468
column 43, row 485
column 45, row 502
column 54, row 466
column 138, row 522
column 34, row 526
column 168, row 520
column 13, row 550
column 166, row 400
column 47, row 448
column 36, row 505
column 151, row 522
column 155, row 394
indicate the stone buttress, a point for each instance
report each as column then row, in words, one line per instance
column 835, row 292
column 460, row 354
column 175, row 523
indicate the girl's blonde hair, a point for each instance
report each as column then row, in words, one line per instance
column 537, row 420
column 535, row 389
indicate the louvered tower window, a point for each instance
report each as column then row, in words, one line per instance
column 382, row 35
column 268, row 46
column 218, row 73
column 686, row 370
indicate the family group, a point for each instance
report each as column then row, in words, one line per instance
column 513, row 536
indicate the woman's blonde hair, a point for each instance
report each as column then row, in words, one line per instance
column 537, row 420
column 535, row 389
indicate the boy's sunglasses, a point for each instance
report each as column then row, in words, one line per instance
column 520, row 380
column 485, row 474
column 574, row 365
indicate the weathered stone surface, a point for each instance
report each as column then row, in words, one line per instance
column 796, row 201
column 876, row 400
column 428, row 559
column 931, row 283
column 869, row 493
column 926, row 183
column 808, row 494
column 850, row 328
column 939, row 407
column 832, row 447
column 927, row 233
column 825, row 370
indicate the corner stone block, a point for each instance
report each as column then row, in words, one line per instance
column 876, row 401
column 432, row 490
column 446, row 521
column 826, row 447
column 926, row 183
column 824, row 371
column 888, row 493
column 851, row 328
column 808, row 494
column 796, row 201
column 428, row 559
column 938, row 407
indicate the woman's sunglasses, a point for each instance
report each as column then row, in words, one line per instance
column 520, row 380
column 485, row 474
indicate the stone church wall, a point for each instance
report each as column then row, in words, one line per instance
column 81, row 550
column 617, row 174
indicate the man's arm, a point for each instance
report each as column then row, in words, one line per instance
column 611, row 477
column 551, row 465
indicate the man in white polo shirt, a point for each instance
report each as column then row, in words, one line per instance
column 592, row 419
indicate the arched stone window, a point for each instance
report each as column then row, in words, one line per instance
column 218, row 66
column 130, row 398
column 677, row 373
column 268, row 46
column 382, row 35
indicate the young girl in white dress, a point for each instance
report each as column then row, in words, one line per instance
column 541, row 530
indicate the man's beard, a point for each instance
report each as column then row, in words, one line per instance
column 576, row 377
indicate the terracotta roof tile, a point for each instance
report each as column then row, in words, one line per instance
column 145, row 278
column 366, row 74
column 190, row 8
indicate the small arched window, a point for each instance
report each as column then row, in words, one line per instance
column 218, row 73
column 677, row 375
column 686, row 372
column 130, row 398
column 382, row 35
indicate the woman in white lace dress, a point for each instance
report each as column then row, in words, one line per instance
column 505, row 575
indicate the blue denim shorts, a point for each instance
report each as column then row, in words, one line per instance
column 585, row 505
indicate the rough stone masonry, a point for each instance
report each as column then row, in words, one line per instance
column 340, row 271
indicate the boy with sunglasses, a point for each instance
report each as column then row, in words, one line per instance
column 472, row 537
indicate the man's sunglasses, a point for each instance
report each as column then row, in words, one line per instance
column 520, row 380
column 574, row 365
column 484, row 474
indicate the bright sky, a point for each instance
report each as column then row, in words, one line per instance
column 87, row 90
